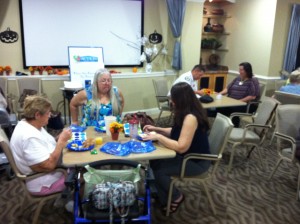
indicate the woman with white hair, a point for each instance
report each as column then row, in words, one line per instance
column 102, row 99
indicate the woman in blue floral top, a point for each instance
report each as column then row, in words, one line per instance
column 99, row 100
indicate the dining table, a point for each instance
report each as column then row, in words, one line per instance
column 222, row 101
column 72, row 158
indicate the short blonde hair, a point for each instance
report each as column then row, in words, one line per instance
column 35, row 103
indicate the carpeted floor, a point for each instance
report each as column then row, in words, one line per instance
column 244, row 196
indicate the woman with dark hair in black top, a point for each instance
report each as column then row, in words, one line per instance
column 188, row 135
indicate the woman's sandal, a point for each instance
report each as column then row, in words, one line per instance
column 175, row 205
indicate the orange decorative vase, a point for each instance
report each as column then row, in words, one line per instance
column 115, row 136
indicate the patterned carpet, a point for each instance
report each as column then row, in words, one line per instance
column 244, row 196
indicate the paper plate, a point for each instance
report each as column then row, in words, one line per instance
column 77, row 146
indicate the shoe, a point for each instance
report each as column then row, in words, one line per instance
column 69, row 206
column 175, row 205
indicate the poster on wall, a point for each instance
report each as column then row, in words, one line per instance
column 84, row 62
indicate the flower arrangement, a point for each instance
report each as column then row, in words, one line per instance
column 208, row 91
column 40, row 69
column 151, row 51
column 49, row 70
column 7, row 69
column 1, row 70
column 116, row 127
column 32, row 70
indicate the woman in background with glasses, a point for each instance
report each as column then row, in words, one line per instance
column 101, row 99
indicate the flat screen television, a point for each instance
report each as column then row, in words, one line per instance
column 49, row 27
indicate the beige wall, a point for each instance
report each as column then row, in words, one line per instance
column 251, row 28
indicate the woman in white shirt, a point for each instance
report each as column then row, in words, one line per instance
column 35, row 150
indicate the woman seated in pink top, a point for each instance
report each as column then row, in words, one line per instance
column 35, row 150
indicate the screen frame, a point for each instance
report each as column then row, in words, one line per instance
column 25, row 66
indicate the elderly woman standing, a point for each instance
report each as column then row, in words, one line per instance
column 35, row 150
column 101, row 100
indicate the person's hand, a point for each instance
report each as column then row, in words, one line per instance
column 148, row 128
column 153, row 136
column 201, row 92
column 65, row 135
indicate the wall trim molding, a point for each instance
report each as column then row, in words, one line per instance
column 125, row 75
column 263, row 77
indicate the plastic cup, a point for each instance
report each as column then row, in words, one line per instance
column 99, row 140
column 219, row 96
column 108, row 120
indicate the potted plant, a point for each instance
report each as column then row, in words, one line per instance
column 40, row 69
column 32, row 70
column 7, row 70
column 1, row 70
column 49, row 70
column 115, row 128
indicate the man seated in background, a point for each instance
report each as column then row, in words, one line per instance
column 294, row 84
column 191, row 78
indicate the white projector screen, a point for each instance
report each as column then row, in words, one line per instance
column 49, row 27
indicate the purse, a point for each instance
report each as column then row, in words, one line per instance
column 142, row 117
column 206, row 99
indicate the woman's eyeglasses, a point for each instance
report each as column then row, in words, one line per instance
column 105, row 80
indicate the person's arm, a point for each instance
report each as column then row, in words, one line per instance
column 184, row 142
column 50, row 164
column 159, row 130
column 78, row 100
column 248, row 98
column 224, row 91
column 199, row 92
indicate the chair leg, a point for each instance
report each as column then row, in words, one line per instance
column 260, row 156
column 209, row 198
column 277, row 164
column 231, row 158
column 37, row 212
column 169, row 120
column 170, row 197
column 215, row 168
column 158, row 117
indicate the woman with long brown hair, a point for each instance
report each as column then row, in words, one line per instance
column 188, row 135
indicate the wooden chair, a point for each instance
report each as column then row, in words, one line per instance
column 253, row 134
column 288, row 128
column 4, row 143
column 218, row 136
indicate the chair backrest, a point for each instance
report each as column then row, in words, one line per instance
column 279, row 84
column 28, row 83
column 3, row 85
column 261, row 90
column 219, row 134
column 4, row 142
column 288, row 120
column 161, row 89
column 265, row 111
column 287, row 98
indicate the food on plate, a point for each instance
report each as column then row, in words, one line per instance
column 88, row 142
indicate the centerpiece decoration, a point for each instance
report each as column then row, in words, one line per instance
column 7, row 70
column 32, row 70
column 115, row 128
column 151, row 50
column 40, row 69
column 49, row 70
column 1, row 70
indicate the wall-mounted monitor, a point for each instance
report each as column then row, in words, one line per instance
column 50, row 26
